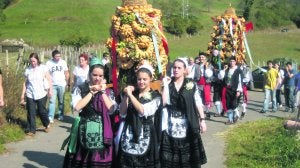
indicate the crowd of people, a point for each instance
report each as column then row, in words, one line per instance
column 156, row 128
column 229, row 85
column 223, row 86
column 276, row 80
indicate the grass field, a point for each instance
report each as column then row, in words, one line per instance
column 264, row 45
column 262, row 144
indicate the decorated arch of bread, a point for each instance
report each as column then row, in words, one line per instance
column 136, row 38
column 227, row 37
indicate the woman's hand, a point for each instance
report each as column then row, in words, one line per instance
column 166, row 81
column 22, row 102
column 225, row 67
column 128, row 90
column 203, row 127
column 50, row 93
column 238, row 93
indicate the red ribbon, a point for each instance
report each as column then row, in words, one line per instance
column 165, row 45
column 224, row 99
column 245, row 92
column 114, row 64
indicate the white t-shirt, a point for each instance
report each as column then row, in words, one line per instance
column 57, row 72
column 34, row 82
column 81, row 75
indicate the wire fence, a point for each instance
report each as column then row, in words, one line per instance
column 19, row 60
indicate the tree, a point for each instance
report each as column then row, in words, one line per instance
column 176, row 25
column 75, row 40
column 5, row 3
column 193, row 26
column 270, row 13
column 177, row 21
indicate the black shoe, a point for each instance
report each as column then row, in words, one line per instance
column 243, row 115
column 262, row 111
column 293, row 110
column 236, row 118
column 228, row 123
column 208, row 115
column 217, row 115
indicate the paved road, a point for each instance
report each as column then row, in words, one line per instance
column 43, row 150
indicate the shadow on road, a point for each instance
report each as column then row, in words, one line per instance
column 43, row 158
column 27, row 165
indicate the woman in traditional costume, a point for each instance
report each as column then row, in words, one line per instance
column 91, row 138
column 138, row 146
column 182, row 121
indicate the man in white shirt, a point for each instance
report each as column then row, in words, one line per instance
column 205, row 72
column 232, row 79
column 192, row 70
column 60, row 78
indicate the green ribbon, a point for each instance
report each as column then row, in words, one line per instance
column 155, row 44
column 72, row 138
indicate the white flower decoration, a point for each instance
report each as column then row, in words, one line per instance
column 147, row 96
column 189, row 85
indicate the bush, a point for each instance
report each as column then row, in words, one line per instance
column 193, row 26
column 12, row 93
column 75, row 40
column 175, row 25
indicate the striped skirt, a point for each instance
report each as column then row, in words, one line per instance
column 182, row 153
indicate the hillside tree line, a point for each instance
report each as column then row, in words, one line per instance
column 180, row 18
column 271, row 13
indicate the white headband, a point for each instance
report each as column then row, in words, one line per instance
column 147, row 66
column 184, row 60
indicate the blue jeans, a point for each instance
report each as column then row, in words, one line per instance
column 230, row 115
column 270, row 94
column 289, row 96
column 58, row 91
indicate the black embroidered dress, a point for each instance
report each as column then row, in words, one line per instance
column 83, row 157
column 181, row 144
column 138, row 145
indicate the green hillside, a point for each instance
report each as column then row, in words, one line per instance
column 45, row 22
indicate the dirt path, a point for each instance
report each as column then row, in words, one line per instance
column 43, row 150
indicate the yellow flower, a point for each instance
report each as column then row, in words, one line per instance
column 189, row 85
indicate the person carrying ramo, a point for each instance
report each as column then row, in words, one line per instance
column 138, row 145
column 182, row 121
column 91, row 138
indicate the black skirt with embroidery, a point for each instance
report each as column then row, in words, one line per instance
column 182, row 153
column 150, row 159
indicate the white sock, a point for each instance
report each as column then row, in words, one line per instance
column 237, row 112
column 218, row 107
column 244, row 105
